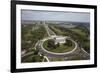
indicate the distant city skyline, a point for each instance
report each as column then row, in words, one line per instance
column 55, row 16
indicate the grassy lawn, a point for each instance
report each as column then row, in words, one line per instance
column 87, row 46
column 78, row 31
column 61, row 49
column 57, row 31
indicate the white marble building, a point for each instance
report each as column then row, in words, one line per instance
column 60, row 39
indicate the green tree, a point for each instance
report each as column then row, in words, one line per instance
column 68, row 42
column 36, row 52
column 51, row 44
column 58, row 44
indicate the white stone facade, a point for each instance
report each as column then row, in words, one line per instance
column 60, row 39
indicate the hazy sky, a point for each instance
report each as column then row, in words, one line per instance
column 55, row 16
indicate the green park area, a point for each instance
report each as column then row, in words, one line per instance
column 30, row 34
column 34, row 56
column 29, row 37
column 49, row 45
